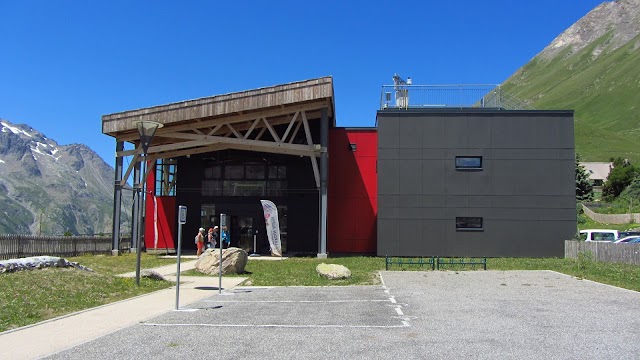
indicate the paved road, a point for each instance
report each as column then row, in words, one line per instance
column 414, row 315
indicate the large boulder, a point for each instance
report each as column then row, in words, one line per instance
column 333, row 271
column 233, row 261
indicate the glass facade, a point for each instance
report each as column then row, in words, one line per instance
column 244, row 180
column 166, row 177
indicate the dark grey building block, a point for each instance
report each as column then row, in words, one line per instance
column 525, row 191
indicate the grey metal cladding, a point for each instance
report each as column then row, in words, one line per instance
column 388, row 230
column 456, row 132
column 388, row 154
column 432, row 180
column 434, row 135
column 410, row 132
column 388, row 171
column 410, row 176
column 525, row 191
column 389, row 128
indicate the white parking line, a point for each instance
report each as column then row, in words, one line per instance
column 295, row 301
column 404, row 324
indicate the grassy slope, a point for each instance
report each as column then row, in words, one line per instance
column 38, row 295
column 603, row 91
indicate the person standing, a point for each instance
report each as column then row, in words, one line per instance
column 225, row 239
column 212, row 237
column 200, row 241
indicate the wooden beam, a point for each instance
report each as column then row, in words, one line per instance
column 293, row 120
column 313, row 105
column 129, row 169
column 295, row 132
column 273, row 132
column 159, row 148
column 234, row 131
column 314, row 162
column 260, row 133
column 316, row 171
column 255, row 122
column 307, row 130
column 202, row 140
column 216, row 128
column 178, row 153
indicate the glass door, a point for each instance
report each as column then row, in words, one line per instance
column 245, row 233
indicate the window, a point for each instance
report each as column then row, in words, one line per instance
column 166, row 177
column 234, row 172
column 251, row 179
column 469, row 224
column 468, row 162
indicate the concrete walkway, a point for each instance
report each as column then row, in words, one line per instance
column 51, row 336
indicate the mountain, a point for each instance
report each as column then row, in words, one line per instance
column 593, row 67
column 52, row 189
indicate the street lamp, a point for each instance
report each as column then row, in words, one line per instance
column 146, row 130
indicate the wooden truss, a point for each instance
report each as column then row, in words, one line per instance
column 252, row 132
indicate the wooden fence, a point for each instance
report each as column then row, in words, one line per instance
column 611, row 218
column 18, row 246
column 604, row 251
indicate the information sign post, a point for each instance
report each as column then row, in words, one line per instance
column 182, row 219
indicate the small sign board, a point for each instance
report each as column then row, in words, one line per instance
column 182, row 214
column 223, row 220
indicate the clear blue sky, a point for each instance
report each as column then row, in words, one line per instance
column 64, row 64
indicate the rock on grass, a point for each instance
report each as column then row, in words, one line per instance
column 333, row 271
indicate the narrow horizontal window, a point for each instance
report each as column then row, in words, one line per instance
column 469, row 223
column 468, row 162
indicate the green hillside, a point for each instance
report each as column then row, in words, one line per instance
column 604, row 91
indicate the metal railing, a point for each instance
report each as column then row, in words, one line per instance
column 448, row 96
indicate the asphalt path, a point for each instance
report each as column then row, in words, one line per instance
column 413, row 315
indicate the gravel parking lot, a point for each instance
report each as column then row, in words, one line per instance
column 443, row 314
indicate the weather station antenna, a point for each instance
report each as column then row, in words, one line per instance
column 401, row 90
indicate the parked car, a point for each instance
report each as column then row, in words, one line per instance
column 626, row 239
column 599, row 235
column 623, row 234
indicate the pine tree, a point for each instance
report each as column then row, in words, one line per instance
column 622, row 174
column 584, row 187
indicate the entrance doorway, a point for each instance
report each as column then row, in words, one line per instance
column 245, row 223
column 244, row 232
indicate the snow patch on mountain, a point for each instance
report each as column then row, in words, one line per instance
column 14, row 130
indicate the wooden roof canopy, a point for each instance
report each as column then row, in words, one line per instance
column 244, row 120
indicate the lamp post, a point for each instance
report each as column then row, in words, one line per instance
column 146, row 130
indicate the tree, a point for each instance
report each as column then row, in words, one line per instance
column 622, row 174
column 584, row 187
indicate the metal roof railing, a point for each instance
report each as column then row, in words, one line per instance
column 448, row 96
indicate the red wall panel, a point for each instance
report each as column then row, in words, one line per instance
column 166, row 218
column 352, row 192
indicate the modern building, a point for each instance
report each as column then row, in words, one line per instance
column 474, row 179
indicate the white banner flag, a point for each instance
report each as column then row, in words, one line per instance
column 273, row 226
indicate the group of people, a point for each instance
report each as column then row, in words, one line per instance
column 209, row 240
